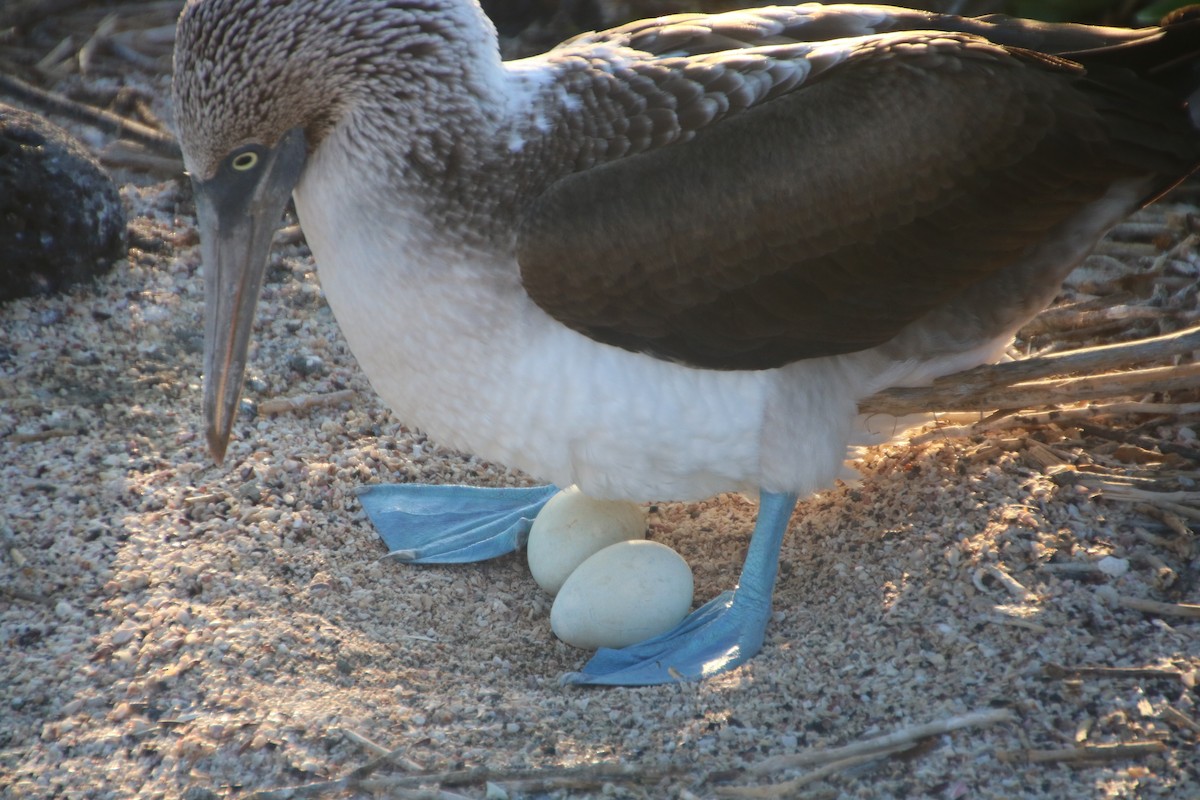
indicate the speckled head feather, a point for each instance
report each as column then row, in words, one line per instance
column 247, row 71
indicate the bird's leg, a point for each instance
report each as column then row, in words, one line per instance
column 443, row 524
column 723, row 633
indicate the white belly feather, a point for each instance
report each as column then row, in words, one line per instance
column 457, row 349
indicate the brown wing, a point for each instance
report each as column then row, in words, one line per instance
column 824, row 221
column 692, row 34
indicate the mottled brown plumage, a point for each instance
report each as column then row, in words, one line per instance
column 796, row 229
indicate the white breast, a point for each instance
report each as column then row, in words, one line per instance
column 455, row 347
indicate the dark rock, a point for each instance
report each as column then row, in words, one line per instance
column 61, row 219
column 307, row 364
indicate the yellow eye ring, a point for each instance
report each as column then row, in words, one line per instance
column 245, row 161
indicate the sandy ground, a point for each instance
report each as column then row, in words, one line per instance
column 169, row 628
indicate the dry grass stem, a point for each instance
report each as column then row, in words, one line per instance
column 27, row 596
column 304, row 402
column 1019, row 384
column 362, row 741
column 1052, row 392
column 130, row 155
column 40, row 436
column 787, row 788
column 1125, row 250
column 1084, row 671
column 904, row 737
column 1187, row 610
column 1057, row 320
column 1118, row 491
column 162, row 144
column 363, row 779
column 1172, row 520
column 1087, row 752
column 1010, row 584
column 1016, row 622
column 1179, row 719
column 1072, row 567
column 1002, row 421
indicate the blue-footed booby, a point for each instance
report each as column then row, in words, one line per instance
column 665, row 260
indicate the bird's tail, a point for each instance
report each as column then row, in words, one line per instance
column 1166, row 60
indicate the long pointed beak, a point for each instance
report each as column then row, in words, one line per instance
column 238, row 214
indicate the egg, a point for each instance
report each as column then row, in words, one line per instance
column 572, row 527
column 622, row 595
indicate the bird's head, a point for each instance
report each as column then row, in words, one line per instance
column 259, row 86
column 246, row 127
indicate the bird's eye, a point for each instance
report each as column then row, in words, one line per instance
column 245, row 161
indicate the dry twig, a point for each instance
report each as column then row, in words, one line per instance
column 40, row 436
column 837, row 759
column 1084, row 670
column 905, row 736
column 404, row 785
column 1187, row 610
column 1176, row 717
column 1010, row 584
column 304, row 402
column 1057, row 319
column 1016, row 622
column 29, row 597
column 999, row 422
column 1087, row 752
column 18, row 13
column 129, row 155
column 1117, row 491
column 161, row 144
column 1024, row 383
column 772, row 790
column 362, row 741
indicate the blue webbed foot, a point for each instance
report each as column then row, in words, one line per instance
column 723, row 633
column 716, row 637
column 442, row 524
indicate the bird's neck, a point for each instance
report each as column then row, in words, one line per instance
column 458, row 162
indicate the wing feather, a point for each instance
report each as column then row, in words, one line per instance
column 823, row 212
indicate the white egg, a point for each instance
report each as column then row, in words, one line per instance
column 572, row 527
column 622, row 595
